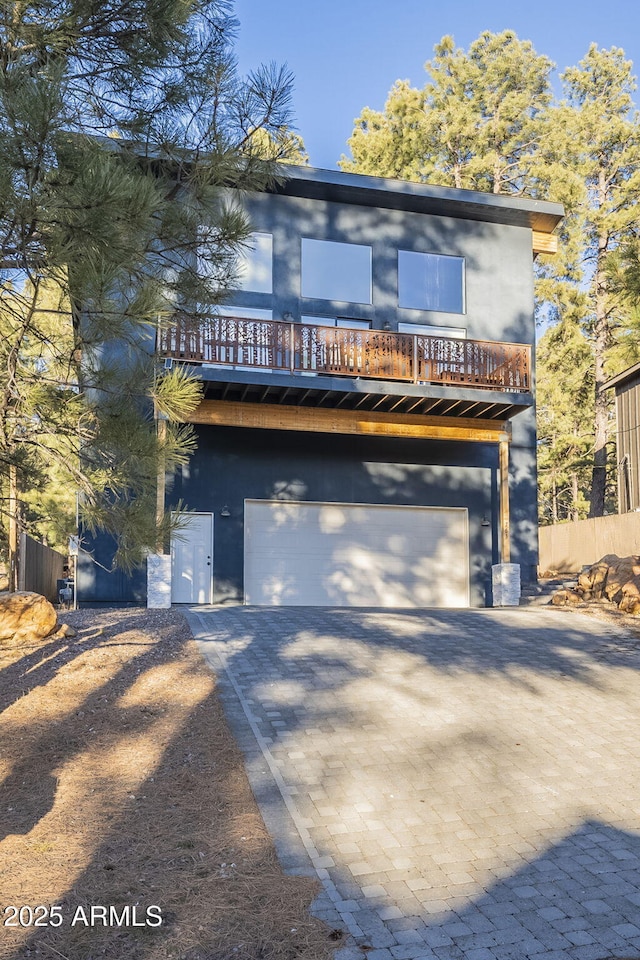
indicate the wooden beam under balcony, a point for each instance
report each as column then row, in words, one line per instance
column 322, row 420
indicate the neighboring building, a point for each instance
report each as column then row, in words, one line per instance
column 368, row 402
column 627, row 393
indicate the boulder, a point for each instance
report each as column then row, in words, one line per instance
column 621, row 574
column 64, row 631
column 563, row 598
column 614, row 579
column 593, row 580
column 26, row 616
column 630, row 596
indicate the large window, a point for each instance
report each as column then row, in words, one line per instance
column 336, row 271
column 255, row 272
column 430, row 281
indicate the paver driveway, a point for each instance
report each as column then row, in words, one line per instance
column 465, row 783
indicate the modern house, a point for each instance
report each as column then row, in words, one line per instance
column 367, row 435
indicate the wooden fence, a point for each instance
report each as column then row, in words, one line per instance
column 567, row 547
column 40, row 568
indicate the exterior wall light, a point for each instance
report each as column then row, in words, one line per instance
column 225, row 512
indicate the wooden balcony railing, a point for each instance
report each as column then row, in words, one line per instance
column 338, row 351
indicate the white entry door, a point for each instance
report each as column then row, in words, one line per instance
column 355, row 555
column 192, row 560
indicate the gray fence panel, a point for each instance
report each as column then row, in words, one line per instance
column 40, row 568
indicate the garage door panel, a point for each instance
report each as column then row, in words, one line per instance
column 355, row 555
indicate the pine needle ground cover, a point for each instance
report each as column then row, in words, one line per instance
column 122, row 787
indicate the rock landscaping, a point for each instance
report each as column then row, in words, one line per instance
column 612, row 579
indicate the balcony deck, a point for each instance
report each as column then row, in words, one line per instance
column 275, row 361
column 337, row 351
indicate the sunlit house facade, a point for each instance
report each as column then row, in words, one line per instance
column 367, row 435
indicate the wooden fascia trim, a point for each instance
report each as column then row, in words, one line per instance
column 544, row 242
column 321, row 420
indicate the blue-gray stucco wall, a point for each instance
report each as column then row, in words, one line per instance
column 498, row 261
column 97, row 583
column 232, row 465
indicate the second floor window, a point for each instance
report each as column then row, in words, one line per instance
column 430, row 281
column 336, row 271
column 255, row 270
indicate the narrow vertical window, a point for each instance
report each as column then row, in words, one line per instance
column 255, row 265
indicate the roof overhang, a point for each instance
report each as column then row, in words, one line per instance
column 630, row 373
column 313, row 183
column 541, row 216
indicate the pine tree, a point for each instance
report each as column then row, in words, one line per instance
column 390, row 143
column 623, row 280
column 475, row 125
column 565, row 413
column 122, row 122
column 595, row 134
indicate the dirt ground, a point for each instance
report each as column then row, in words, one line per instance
column 608, row 613
column 122, row 787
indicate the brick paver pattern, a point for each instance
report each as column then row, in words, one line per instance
column 466, row 783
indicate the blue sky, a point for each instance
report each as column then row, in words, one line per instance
column 346, row 54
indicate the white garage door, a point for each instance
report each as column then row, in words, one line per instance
column 355, row 555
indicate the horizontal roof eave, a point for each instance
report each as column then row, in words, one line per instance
column 316, row 184
column 627, row 374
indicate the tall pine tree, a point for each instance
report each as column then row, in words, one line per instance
column 121, row 124
column 564, row 373
column 595, row 134
column 475, row 125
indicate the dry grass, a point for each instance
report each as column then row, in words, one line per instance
column 120, row 784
